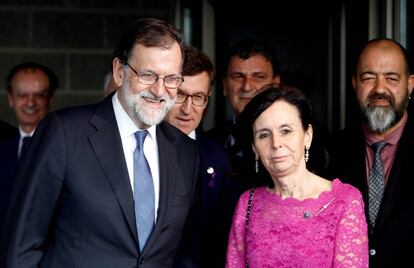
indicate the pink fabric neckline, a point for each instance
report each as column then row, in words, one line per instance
column 325, row 195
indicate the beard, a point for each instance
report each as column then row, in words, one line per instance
column 138, row 108
column 381, row 118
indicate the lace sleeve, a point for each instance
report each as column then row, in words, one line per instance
column 351, row 245
column 236, row 245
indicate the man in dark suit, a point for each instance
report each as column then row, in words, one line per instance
column 251, row 64
column 6, row 130
column 75, row 199
column 383, row 83
column 30, row 89
column 219, row 192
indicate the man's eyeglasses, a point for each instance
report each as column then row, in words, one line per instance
column 149, row 78
column 37, row 96
column 196, row 100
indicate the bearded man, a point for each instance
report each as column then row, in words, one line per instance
column 375, row 155
column 110, row 184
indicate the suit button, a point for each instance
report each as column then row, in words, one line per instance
column 372, row 252
column 141, row 261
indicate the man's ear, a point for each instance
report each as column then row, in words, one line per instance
column 410, row 84
column 225, row 89
column 354, row 81
column 118, row 72
column 276, row 80
column 10, row 99
column 49, row 102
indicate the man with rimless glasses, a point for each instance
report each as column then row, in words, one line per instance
column 111, row 184
column 218, row 191
column 30, row 89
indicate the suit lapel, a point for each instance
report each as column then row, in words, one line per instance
column 107, row 145
column 168, row 171
column 395, row 181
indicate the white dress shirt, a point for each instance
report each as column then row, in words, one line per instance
column 127, row 129
column 192, row 135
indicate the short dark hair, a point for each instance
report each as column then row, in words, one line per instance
column 196, row 62
column 248, row 47
column 29, row 65
column 149, row 32
column 266, row 98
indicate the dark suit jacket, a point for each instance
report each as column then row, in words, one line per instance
column 73, row 204
column 7, row 131
column 219, row 193
column 241, row 154
column 8, row 166
column 393, row 236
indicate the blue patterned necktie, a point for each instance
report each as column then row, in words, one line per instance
column 143, row 192
column 376, row 183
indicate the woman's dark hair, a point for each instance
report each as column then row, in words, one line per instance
column 268, row 96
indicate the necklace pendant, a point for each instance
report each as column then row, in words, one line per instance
column 307, row 214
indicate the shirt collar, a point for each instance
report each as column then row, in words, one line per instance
column 24, row 134
column 126, row 125
column 192, row 135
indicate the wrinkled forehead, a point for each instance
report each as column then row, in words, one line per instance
column 383, row 54
column 27, row 79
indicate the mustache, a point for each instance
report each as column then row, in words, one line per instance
column 147, row 94
column 378, row 96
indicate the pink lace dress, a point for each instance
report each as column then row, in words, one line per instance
column 329, row 231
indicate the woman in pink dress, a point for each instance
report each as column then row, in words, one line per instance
column 303, row 220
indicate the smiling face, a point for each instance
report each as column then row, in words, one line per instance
column 29, row 97
column 279, row 139
column 147, row 105
column 382, row 85
column 245, row 77
column 187, row 116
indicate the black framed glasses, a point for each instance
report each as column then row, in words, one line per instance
column 196, row 99
column 149, row 78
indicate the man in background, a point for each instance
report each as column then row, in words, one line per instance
column 30, row 89
column 7, row 130
column 375, row 152
column 218, row 191
column 251, row 64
